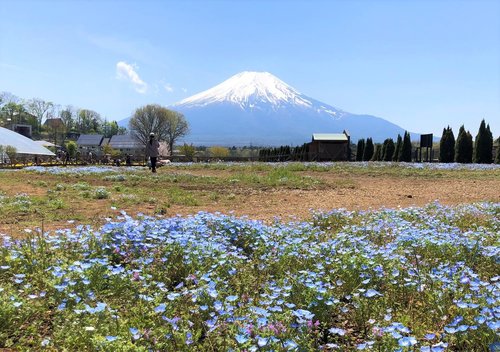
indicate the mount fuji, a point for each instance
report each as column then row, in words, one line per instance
column 257, row 108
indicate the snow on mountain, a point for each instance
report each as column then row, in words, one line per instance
column 257, row 108
column 254, row 90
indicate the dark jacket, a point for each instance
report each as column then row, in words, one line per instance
column 152, row 148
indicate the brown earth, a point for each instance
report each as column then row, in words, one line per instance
column 337, row 190
column 358, row 193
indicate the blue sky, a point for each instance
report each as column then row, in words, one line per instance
column 420, row 64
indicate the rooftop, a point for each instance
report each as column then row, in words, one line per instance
column 125, row 141
column 329, row 137
column 90, row 139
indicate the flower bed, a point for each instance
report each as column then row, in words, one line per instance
column 414, row 279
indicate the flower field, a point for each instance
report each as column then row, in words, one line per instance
column 414, row 279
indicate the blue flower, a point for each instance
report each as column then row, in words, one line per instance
column 241, row 338
column 291, row 345
column 372, row 293
column 231, row 298
column 407, row 341
column 337, row 331
column 161, row 308
column 262, row 341
column 111, row 338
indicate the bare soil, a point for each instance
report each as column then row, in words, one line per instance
column 361, row 193
column 350, row 191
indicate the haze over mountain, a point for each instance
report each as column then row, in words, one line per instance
column 258, row 108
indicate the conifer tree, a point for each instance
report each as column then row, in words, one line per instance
column 497, row 158
column 405, row 153
column 447, row 146
column 360, row 149
column 483, row 145
column 368, row 152
column 461, row 146
column 397, row 150
column 384, row 148
column 470, row 147
column 377, row 155
column 388, row 150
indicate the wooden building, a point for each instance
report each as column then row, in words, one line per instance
column 330, row 147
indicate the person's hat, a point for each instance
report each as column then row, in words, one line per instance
column 151, row 134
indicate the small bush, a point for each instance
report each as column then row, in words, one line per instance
column 101, row 193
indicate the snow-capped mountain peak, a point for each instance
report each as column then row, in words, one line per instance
column 248, row 90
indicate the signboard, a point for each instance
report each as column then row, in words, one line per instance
column 426, row 140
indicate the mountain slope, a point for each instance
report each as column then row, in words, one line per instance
column 258, row 108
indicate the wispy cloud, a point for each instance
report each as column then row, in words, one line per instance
column 127, row 72
column 168, row 87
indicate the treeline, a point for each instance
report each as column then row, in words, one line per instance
column 48, row 117
column 461, row 150
column 465, row 150
column 284, row 153
column 388, row 151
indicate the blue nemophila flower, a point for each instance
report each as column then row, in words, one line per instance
column 231, row 298
column 494, row 325
column 337, row 331
column 241, row 338
column 161, row 308
column 372, row 293
column 110, row 338
column 303, row 314
column 407, row 341
column 262, row 341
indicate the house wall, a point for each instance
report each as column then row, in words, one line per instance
column 328, row 151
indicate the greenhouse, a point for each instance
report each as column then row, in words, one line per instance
column 23, row 145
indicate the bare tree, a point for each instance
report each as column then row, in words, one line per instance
column 40, row 108
column 166, row 124
column 177, row 127
column 68, row 116
column 7, row 97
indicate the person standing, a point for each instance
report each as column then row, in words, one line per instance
column 152, row 150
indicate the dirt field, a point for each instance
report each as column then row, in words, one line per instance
column 56, row 199
column 359, row 192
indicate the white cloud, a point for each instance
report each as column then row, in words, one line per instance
column 127, row 72
column 168, row 87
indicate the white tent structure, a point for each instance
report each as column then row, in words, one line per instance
column 22, row 144
column 46, row 144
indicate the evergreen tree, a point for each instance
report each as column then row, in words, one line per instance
column 360, row 149
column 470, row 147
column 377, row 155
column 447, row 146
column 368, row 152
column 389, row 150
column 497, row 158
column 483, row 145
column 405, row 153
column 384, row 148
column 397, row 150
column 463, row 150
